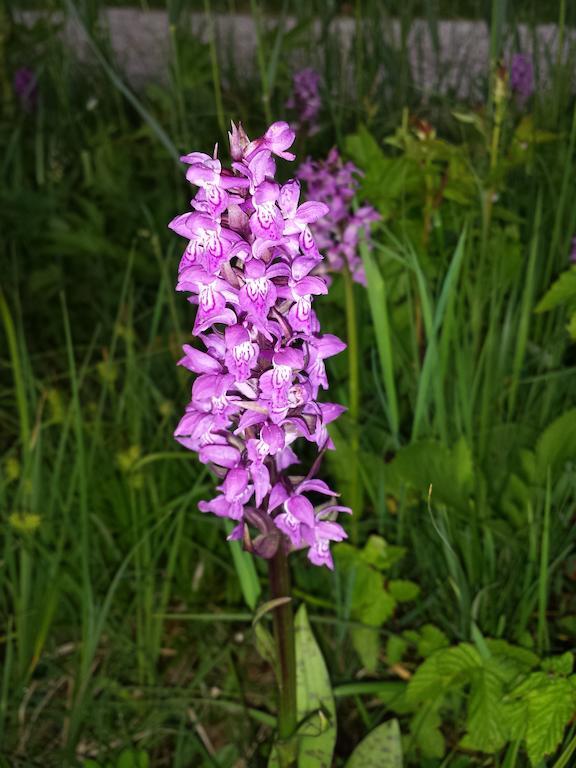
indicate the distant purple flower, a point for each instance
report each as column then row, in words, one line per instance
column 573, row 251
column 251, row 266
column 339, row 233
column 522, row 76
column 26, row 87
column 305, row 101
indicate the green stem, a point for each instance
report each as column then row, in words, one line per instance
column 279, row 573
column 17, row 372
column 353, row 398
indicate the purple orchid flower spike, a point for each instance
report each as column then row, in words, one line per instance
column 340, row 231
column 305, row 101
column 26, row 87
column 522, row 76
column 253, row 268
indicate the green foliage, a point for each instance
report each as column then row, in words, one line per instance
column 382, row 748
column 562, row 293
column 430, row 466
column 502, row 698
column 372, row 599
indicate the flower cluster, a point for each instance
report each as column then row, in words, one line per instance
column 339, row 233
column 26, row 87
column 305, row 100
column 522, row 76
column 249, row 267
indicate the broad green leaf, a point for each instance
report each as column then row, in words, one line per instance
column 449, row 471
column 314, row 695
column 403, row 590
column 557, row 444
column 563, row 291
column 382, row 748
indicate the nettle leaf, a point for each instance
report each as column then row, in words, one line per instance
column 485, row 724
column 522, row 656
column 563, row 291
column 382, row 748
column 538, row 710
column 449, row 471
column 559, row 665
column 314, row 696
column 550, row 709
column 443, row 670
column 431, row 639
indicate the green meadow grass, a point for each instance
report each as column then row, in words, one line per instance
column 127, row 628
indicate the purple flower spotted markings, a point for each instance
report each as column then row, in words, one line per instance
column 252, row 267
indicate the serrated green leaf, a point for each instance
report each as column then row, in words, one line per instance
column 431, row 639
column 441, row 671
column 485, row 725
column 563, row 291
column 559, row 665
column 403, row 590
column 522, row 656
column 550, row 709
column 382, row 748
